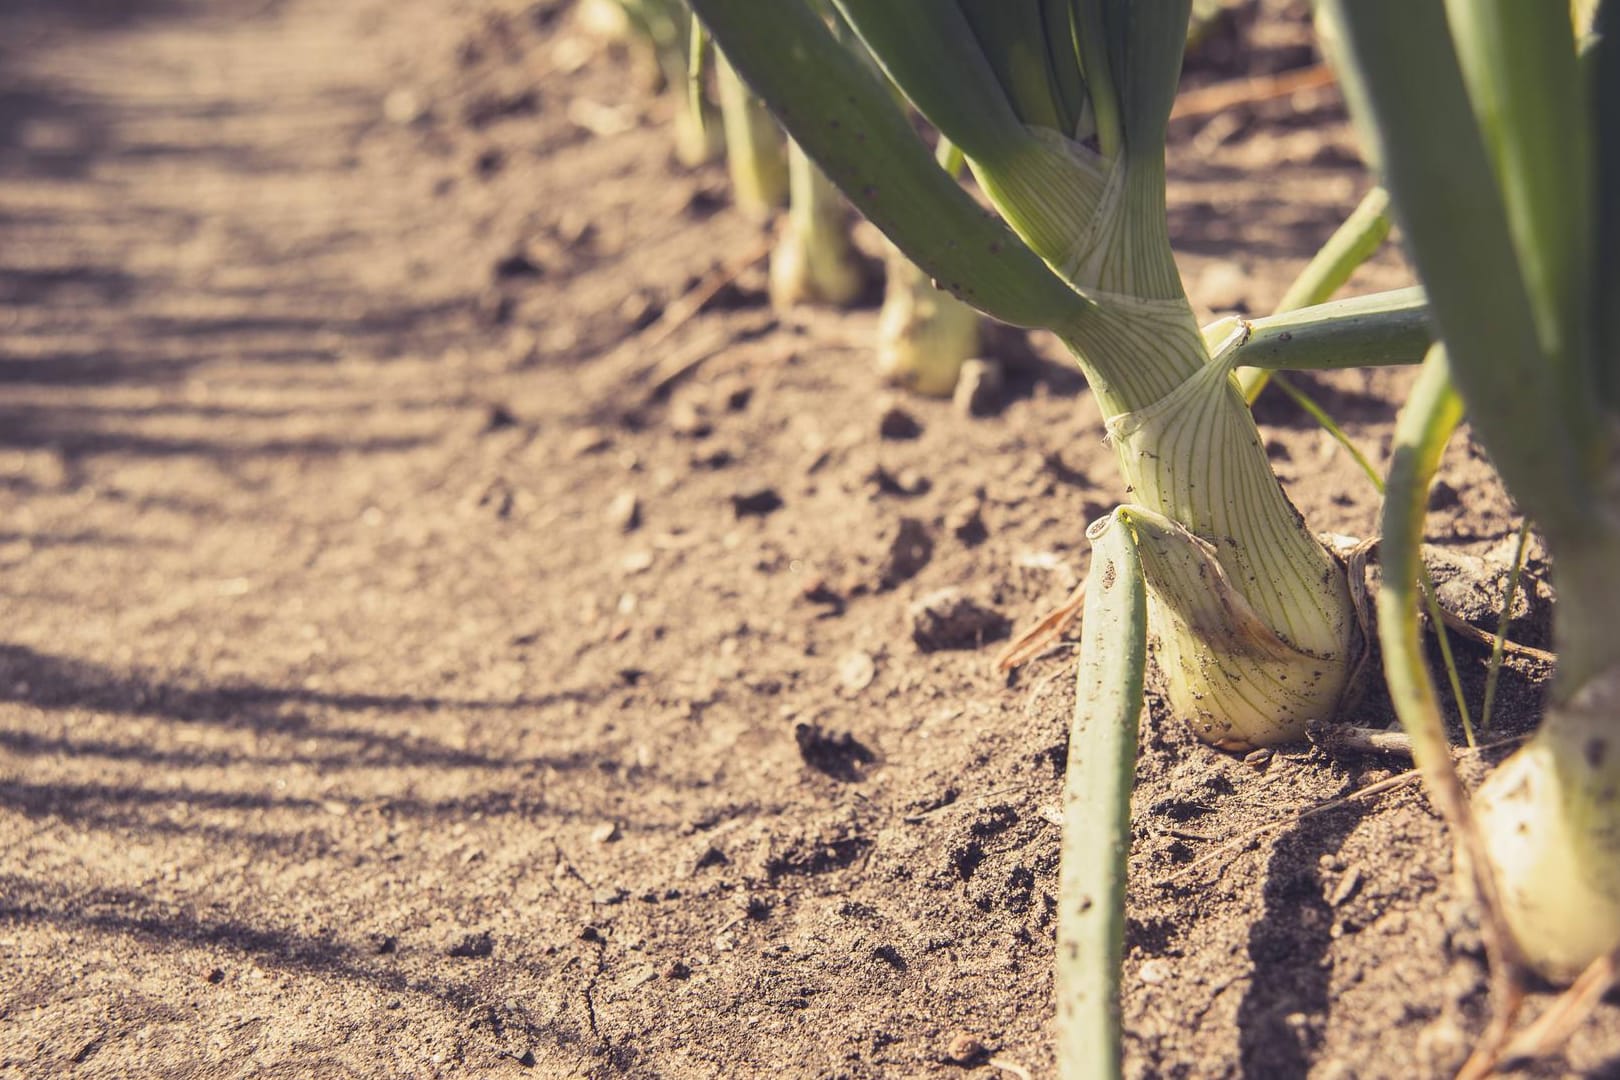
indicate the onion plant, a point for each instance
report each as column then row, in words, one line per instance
column 754, row 150
column 924, row 334
column 661, row 30
column 1060, row 109
column 813, row 261
column 1497, row 124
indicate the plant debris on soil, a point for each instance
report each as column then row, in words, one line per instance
column 421, row 660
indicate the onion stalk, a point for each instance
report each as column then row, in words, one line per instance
column 924, row 334
column 813, row 261
column 754, row 157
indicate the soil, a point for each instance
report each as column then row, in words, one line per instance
column 429, row 653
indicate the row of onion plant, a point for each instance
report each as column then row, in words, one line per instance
column 1060, row 110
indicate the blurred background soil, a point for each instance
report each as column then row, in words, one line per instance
column 429, row 652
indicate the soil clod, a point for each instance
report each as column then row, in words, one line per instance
column 948, row 619
column 839, row 755
column 965, row 521
column 898, row 424
column 757, row 503
column 907, row 551
column 516, row 265
column 473, row 946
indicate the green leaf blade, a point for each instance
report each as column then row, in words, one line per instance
column 850, row 125
column 1097, row 805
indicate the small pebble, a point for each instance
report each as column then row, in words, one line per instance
column 640, row 310
column 712, row 856
column 714, row 457
column 908, row 550
column 1441, row 1047
column 908, row 482
column 965, row 521
column 856, row 671
column 911, row 482
column 1346, row 888
column 624, row 512
column 965, row 1049
column 473, row 946
column 1153, row 972
column 402, row 106
column 689, row 418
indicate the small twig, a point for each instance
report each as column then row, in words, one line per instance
column 1216, row 991
column 974, row 803
column 1053, row 625
column 1499, row 645
column 1222, row 96
column 1057, row 622
column 1487, row 639
column 686, row 308
column 1548, row 1034
column 629, row 363
column 1010, row 1066
column 1334, row 739
column 1341, row 739
column 1508, row 989
column 677, row 366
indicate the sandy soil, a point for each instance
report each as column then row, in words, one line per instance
column 351, row 725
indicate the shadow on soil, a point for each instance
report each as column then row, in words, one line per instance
column 56, row 683
column 22, row 22
column 1289, row 947
column 128, row 913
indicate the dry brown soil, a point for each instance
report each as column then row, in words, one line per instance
column 349, row 728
